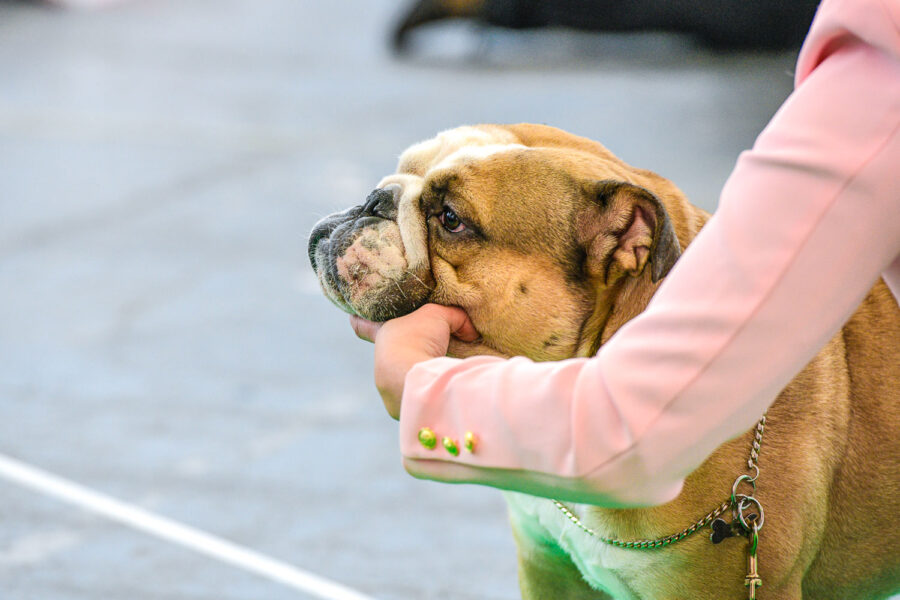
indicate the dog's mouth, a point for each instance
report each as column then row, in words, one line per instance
column 361, row 262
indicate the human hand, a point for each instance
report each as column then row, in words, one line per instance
column 403, row 342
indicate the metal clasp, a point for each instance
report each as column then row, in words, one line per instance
column 751, row 522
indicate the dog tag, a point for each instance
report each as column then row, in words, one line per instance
column 720, row 531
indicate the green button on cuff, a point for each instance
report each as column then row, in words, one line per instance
column 450, row 446
column 470, row 441
column 427, row 438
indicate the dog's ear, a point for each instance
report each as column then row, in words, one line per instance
column 623, row 228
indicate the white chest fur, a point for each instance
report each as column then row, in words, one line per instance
column 539, row 522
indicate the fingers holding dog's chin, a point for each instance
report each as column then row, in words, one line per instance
column 402, row 343
column 364, row 329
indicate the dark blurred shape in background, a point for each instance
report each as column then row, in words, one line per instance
column 719, row 24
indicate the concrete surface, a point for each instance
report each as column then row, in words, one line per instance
column 162, row 338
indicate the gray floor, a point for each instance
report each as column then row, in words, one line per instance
column 162, row 338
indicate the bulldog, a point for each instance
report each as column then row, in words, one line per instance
column 550, row 244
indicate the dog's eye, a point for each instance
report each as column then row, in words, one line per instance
column 451, row 222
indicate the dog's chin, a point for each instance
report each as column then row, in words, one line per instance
column 382, row 299
column 393, row 301
column 360, row 285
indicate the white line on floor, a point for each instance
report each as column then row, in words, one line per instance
column 172, row 531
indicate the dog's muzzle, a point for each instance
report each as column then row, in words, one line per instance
column 360, row 260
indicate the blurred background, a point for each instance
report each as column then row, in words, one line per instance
column 162, row 337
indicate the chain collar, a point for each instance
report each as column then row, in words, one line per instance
column 738, row 502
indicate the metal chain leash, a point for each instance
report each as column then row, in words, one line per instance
column 737, row 502
column 644, row 544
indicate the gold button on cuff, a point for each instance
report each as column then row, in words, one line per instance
column 427, row 438
column 450, row 446
column 469, row 441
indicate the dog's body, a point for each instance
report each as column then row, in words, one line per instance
column 551, row 244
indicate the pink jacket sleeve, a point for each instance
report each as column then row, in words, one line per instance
column 807, row 222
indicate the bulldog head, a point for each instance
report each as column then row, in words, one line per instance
column 534, row 232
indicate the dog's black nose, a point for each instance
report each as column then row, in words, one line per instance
column 380, row 203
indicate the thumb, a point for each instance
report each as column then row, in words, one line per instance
column 458, row 322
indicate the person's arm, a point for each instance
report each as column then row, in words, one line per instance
column 807, row 222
